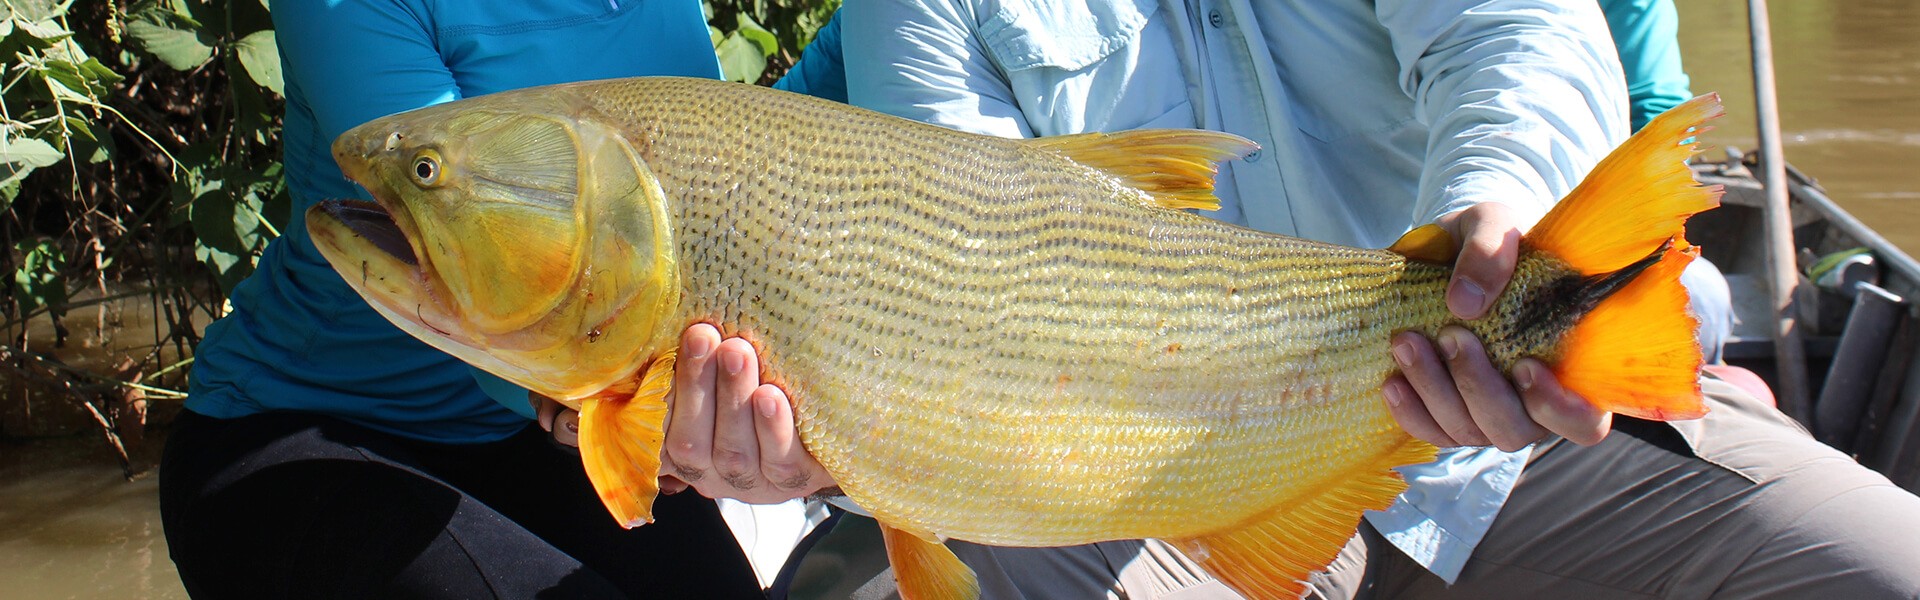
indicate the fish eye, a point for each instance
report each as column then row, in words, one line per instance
column 426, row 168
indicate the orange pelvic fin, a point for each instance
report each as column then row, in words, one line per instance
column 1636, row 199
column 1174, row 166
column 924, row 569
column 620, row 441
column 1635, row 352
column 1426, row 243
column 1270, row 556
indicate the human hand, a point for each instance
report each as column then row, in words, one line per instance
column 1456, row 397
column 557, row 419
column 723, row 421
column 730, row 436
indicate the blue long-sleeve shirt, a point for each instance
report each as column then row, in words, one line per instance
column 298, row 338
column 1647, row 34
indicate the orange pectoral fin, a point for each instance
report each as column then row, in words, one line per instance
column 1426, row 243
column 1270, row 556
column 620, row 441
column 925, row 569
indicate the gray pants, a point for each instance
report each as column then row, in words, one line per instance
column 1740, row 504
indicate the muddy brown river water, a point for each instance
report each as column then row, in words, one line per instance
column 1849, row 73
column 1849, row 94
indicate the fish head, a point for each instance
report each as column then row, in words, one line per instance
column 514, row 232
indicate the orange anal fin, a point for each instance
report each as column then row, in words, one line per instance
column 1175, row 167
column 1636, row 353
column 1426, row 243
column 1270, row 556
column 1637, row 198
column 926, row 570
column 620, row 441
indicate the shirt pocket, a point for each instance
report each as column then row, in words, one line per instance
column 1031, row 34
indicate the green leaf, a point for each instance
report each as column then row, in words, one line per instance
column 79, row 129
column 261, row 57
column 20, row 39
column 170, row 36
column 99, row 72
column 46, row 31
column 37, row 282
column 769, row 45
column 69, row 76
column 30, row 152
column 38, row 10
column 740, row 59
column 226, row 223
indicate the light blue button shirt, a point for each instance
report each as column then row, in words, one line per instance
column 1372, row 117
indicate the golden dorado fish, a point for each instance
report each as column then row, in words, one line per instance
column 1010, row 342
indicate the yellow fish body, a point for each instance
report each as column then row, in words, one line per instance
column 1011, row 342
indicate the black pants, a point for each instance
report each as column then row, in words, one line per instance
column 299, row 505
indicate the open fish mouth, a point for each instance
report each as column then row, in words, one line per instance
column 373, row 223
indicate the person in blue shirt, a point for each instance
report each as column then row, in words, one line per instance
column 1375, row 117
column 323, row 452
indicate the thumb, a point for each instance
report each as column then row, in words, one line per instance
column 1489, row 248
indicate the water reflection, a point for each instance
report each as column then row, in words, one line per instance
column 1849, row 87
column 72, row 527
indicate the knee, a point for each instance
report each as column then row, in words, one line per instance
column 1860, row 543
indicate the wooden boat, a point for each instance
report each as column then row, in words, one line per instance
column 1856, row 308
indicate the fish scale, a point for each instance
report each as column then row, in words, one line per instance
column 903, row 368
column 1010, row 342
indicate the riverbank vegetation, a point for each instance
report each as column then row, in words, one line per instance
column 140, row 173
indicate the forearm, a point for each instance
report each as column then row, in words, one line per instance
column 1521, row 98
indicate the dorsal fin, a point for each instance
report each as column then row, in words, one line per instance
column 1174, row 166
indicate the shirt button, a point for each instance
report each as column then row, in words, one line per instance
column 1253, row 157
column 1214, row 18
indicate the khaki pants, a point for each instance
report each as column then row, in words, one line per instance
column 1740, row 504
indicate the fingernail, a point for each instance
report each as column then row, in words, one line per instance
column 1467, row 297
column 699, row 347
column 1403, row 355
column 1449, row 347
column 1523, row 376
column 1394, row 399
column 767, row 408
column 733, row 362
column 573, row 427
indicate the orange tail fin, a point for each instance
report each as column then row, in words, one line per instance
column 1636, row 353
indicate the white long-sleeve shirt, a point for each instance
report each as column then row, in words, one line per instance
column 1373, row 117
